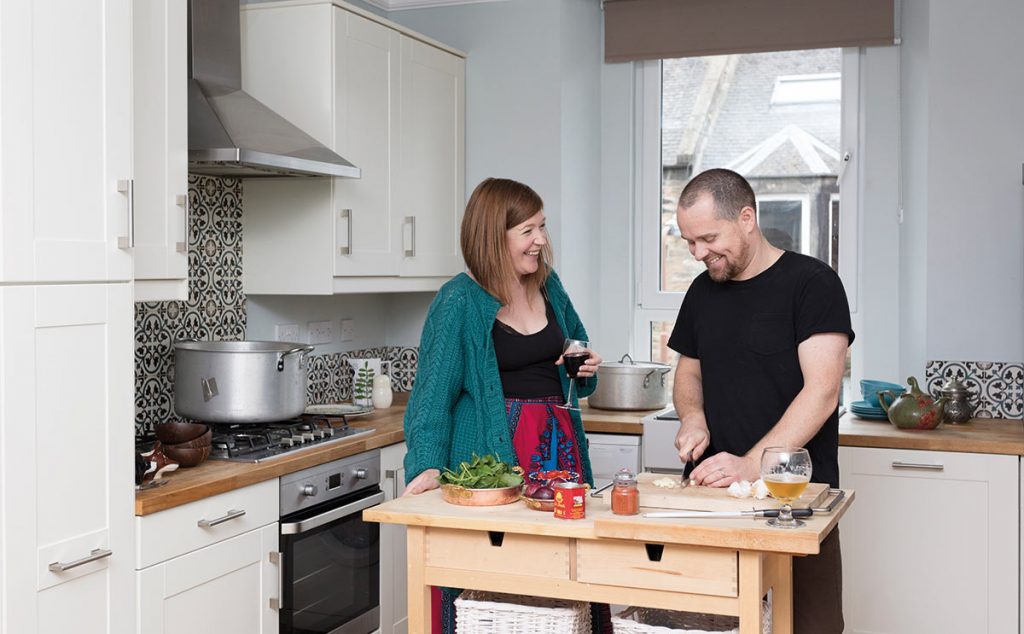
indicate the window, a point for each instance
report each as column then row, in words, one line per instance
column 774, row 117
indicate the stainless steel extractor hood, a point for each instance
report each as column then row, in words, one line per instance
column 229, row 132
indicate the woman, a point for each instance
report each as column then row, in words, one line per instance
column 489, row 378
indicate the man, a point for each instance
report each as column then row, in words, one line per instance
column 762, row 336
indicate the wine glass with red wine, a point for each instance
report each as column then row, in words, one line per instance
column 574, row 353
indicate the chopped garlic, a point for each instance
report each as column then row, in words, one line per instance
column 666, row 483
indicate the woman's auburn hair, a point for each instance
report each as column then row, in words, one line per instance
column 497, row 205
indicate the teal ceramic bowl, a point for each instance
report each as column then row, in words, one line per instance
column 870, row 389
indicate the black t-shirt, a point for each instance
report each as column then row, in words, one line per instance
column 745, row 334
column 526, row 363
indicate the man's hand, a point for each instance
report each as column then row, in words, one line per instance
column 691, row 441
column 423, row 482
column 722, row 469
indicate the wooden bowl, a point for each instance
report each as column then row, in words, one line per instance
column 538, row 504
column 175, row 432
column 195, row 443
column 187, row 456
column 454, row 494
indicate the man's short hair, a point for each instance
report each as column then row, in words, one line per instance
column 730, row 191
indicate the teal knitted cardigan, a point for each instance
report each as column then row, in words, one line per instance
column 457, row 406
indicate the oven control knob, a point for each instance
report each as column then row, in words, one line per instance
column 361, row 474
column 309, row 490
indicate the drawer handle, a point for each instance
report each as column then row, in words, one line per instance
column 232, row 514
column 654, row 551
column 896, row 464
column 95, row 555
column 496, row 537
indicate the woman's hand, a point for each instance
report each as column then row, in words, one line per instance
column 423, row 482
column 589, row 367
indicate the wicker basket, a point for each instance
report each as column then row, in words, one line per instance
column 652, row 621
column 492, row 613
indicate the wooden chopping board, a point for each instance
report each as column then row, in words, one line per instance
column 701, row 498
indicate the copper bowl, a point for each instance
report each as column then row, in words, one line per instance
column 454, row 494
column 175, row 432
column 187, row 456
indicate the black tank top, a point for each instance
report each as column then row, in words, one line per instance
column 526, row 363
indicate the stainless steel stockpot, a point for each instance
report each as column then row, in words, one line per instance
column 240, row 381
column 631, row 385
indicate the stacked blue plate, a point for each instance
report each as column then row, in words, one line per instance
column 864, row 409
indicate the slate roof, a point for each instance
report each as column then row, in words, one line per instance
column 747, row 132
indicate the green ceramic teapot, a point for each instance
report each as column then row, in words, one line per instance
column 913, row 409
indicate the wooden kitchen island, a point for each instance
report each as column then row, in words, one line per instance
column 719, row 566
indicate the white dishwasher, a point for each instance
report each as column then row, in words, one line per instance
column 611, row 452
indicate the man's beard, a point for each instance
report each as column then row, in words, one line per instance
column 732, row 269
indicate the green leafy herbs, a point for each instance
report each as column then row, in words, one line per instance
column 485, row 472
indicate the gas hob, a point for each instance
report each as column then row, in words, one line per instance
column 259, row 442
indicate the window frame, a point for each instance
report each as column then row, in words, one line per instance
column 653, row 304
column 805, row 214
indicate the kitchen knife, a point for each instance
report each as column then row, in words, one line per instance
column 684, row 479
column 727, row 514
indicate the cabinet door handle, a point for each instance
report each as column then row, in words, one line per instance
column 277, row 603
column 896, row 464
column 232, row 514
column 95, row 555
column 127, row 187
column 411, row 251
column 181, row 200
column 346, row 215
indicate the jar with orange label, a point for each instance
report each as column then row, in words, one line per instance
column 625, row 496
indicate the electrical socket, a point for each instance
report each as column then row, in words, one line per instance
column 348, row 329
column 286, row 332
column 321, row 332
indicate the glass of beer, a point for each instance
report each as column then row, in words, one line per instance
column 786, row 472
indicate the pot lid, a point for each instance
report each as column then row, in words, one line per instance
column 626, row 365
column 953, row 387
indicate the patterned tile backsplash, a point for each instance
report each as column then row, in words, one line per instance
column 997, row 388
column 216, row 311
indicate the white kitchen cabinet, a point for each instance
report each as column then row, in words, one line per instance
column 210, row 565
column 392, row 105
column 394, row 607
column 66, row 474
column 931, row 543
column 65, row 121
column 430, row 174
column 160, row 139
column 224, row 588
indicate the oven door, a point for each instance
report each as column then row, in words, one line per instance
column 331, row 568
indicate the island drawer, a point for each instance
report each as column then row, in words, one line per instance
column 498, row 552
column 672, row 567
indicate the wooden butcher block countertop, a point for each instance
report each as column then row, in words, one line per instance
column 994, row 436
column 428, row 509
column 217, row 476
column 979, row 435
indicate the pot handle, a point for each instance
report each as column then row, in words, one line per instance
column 626, row 356
column 281, row 356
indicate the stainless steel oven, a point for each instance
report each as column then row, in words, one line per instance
column 329, row 558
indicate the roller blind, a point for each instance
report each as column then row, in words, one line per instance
column 664, row 29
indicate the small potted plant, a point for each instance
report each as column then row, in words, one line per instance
column 362, row 385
